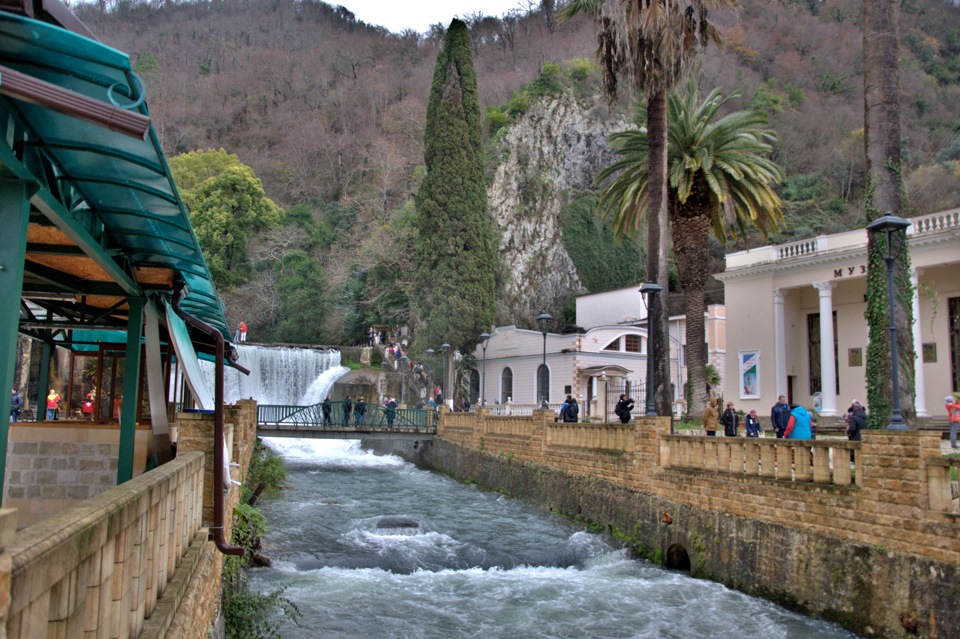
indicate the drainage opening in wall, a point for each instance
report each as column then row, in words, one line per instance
column 677, row 558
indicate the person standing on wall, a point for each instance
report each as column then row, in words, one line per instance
column 779, row 416
column 953, row 416
column 711, row 418
column 16, row 405
column 243, row 331
column 730, row 421
column 753, row 424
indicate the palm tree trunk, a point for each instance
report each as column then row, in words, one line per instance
column 658, row 230
column 691, row 236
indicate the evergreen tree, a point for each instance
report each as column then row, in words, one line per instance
column 454, row 286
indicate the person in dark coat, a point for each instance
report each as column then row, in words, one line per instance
column 779, row 416
column 624, row 406
column 359, row 410
column 753, row 425
column 857, row 421
column 347, row 409
column 730, row 420
column 326, row 408
column 16, row 405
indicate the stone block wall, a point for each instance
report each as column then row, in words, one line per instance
column 871, row 555
column 55, row 466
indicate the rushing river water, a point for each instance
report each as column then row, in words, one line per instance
column 479, row 565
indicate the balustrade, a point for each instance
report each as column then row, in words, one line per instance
column 941, row 485
column 794, row 460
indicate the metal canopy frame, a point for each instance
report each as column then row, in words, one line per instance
column 93, row 226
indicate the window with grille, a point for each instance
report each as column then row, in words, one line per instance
column 632, row 343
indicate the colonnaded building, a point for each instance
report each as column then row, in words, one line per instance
column 777, row 297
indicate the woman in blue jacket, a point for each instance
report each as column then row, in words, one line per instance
column 798, row 426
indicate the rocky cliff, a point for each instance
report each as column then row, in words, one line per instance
column 551, row 152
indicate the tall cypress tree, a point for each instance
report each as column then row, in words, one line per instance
column 454, row 292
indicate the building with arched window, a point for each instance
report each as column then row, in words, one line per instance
column 610, row 343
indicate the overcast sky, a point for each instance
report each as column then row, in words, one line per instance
column 420, row 14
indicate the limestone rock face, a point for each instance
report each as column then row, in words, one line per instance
column 555, row 149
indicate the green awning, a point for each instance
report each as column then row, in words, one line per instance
column 112, row 190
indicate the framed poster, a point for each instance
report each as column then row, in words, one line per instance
column 749, row 374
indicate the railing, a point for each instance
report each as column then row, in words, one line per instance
column 794, row 460
column 935, row 222
column 520, row 410
column 796, row 249
column 374, row 416
column 941, row 486
column 100, row 569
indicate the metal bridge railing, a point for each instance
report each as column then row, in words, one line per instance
column 335, row 414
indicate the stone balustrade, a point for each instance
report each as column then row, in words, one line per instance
column 941, row 488
column 101, row 568
column 794, row 460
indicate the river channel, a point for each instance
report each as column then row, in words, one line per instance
column 460, row 562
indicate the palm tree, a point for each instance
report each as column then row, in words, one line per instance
column 652, row 44
column 720, row 180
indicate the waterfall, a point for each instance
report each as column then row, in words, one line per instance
column 280, row 375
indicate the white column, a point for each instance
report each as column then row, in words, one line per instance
column 920, row 399
column 780, row 342
column 828, row 370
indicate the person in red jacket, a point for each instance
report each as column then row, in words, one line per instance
column 953, row 416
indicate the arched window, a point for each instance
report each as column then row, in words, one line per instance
column 543, row 384
column 506, row 385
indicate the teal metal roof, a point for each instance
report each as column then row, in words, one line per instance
column 111, row 193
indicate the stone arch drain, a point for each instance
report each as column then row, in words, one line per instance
column 677, row 558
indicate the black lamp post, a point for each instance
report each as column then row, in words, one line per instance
column 543, row 321
column 892, row 225
column 484, row 338
column 650, row 290
column 430, row 357
column 443, row 386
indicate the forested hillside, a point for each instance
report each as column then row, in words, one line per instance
column 329, row 113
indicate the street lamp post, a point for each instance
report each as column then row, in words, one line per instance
column 430, row 357
column 543, row 321
column 484, row 338
column 650, row 290
column 443, row 386
column 892, row 225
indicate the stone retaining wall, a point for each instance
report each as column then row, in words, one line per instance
column 871, row 555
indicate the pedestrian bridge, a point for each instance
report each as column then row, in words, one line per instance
column 334, row 421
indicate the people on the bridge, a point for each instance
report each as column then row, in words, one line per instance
column 711, row 417
column 16, row 405
column 754, row 429
column 779, row 416
column 347, row 409
column 799, row 424
column 359, row 410
column 856, row 420
column 53, row 405
column 86, row 406
column 730, row 420
column 391, row 410
column 570, row 411
column 326, row 408
column 952, row 405
column 623, row 408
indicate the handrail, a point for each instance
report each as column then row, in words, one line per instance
column 374, row 416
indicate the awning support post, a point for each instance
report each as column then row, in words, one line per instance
column 131, row 385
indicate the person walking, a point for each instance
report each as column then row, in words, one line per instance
column 570, row 411
column 623, row 408
column 391, row 411
column 857, row 421
column 953, row 416
column 798, row 426
column 16, row 405
column 779, row 416
column 326, row 408
column 53, row 405
column 347, row 408
column 730, row 420
column 711, row 417
column 754, row 429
